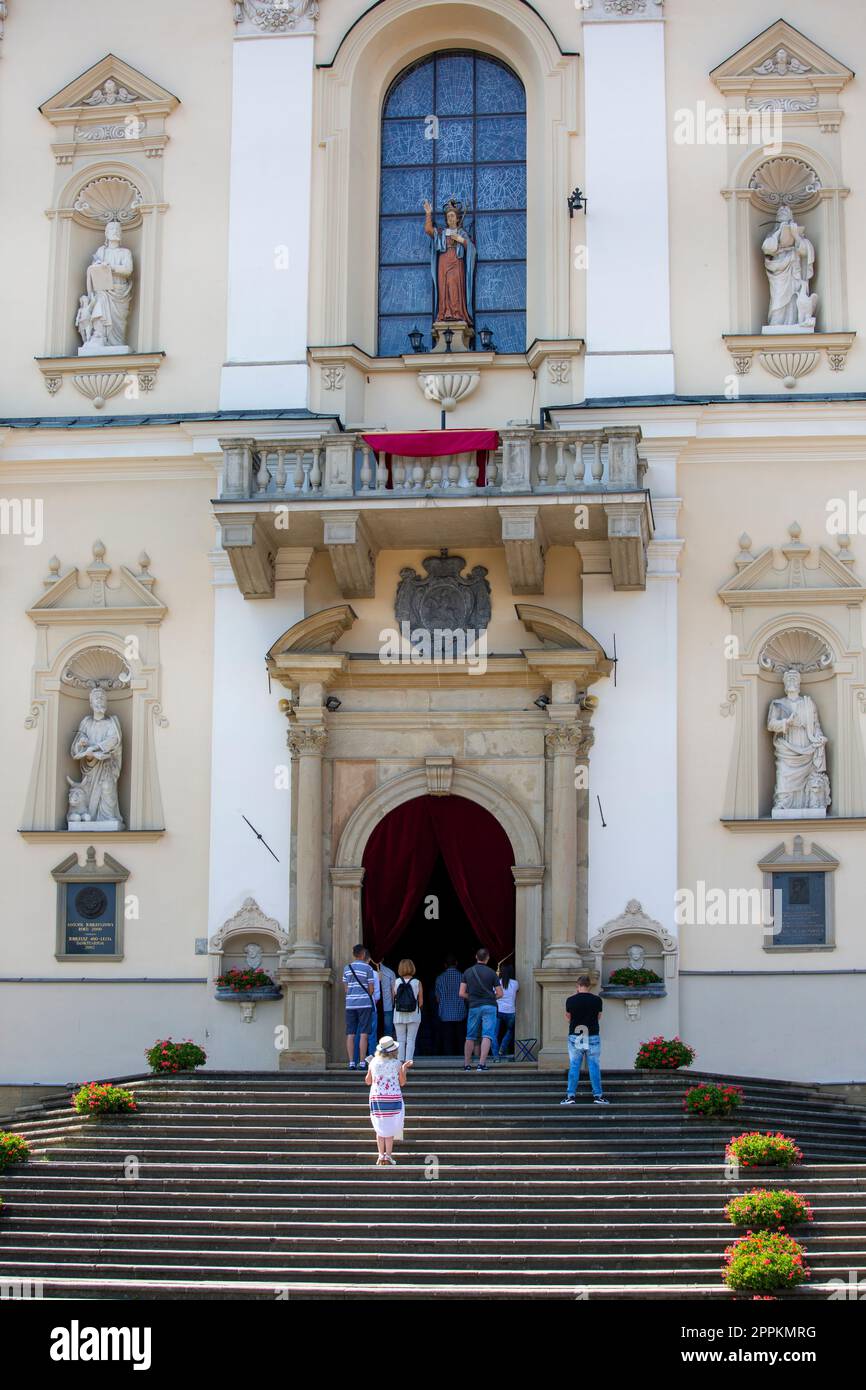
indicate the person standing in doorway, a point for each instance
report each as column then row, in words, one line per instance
column 481, row 989
column 507, row 1007
column 386, row 1077
column 583, row 1012
column 358, row 981
column 408, row 1003
column 389, row 983
column 451, row 1025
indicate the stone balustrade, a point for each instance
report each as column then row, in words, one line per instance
column 529, row 461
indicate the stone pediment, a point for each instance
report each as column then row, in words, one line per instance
column 556, row 629
column 76, row 595
column 111, row 85
column 111, row 106
column 811, row 575
column 781, row 62
column 317, row 633
column 780, row 858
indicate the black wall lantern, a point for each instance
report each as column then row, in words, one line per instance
column 416, row 338
column 577, row 202
column 486, row 336
column 448, row 335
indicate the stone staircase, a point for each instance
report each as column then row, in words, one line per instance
column 239, row 1185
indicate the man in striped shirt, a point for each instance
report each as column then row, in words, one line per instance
column 359, row 981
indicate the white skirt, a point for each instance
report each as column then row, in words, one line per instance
column 388, row 1123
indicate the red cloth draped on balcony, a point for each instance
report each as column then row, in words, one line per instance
column 400, row 857
column 435, row 444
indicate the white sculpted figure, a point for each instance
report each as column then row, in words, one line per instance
column 802, row 784
column 636, row 957
column 789, row 259
column 98, row 749
column 103, row 319
column 253, row 955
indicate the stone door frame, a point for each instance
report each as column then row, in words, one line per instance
column 347, row 876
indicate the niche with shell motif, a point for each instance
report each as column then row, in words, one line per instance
column 97, row 652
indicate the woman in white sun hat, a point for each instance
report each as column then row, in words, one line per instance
column 386, row 1077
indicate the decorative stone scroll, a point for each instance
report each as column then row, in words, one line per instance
column 279, row 17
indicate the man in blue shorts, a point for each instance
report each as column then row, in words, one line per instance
column 480, row 989
column 359, row 980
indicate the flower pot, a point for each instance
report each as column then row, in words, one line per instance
column 634, row 991
column 239, row 995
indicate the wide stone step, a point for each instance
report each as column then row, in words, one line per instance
column 38, row 1221
column 573, row 1273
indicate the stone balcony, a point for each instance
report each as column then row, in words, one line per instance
column 540, row 487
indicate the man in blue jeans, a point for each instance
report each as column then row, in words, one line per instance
column 583, row 1012
column 480, row 989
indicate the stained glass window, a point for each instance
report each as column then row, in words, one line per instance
column 453, row 126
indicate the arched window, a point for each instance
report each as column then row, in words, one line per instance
column 453, row 126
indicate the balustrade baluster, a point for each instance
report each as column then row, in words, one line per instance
column 366, row 469
column 472, row 472
column 316, row 471
column 597, row 462
column 298, row 471
column 560, row 463
column 263, row 476
column 417, row 475
column 280, row 478
column 453, row 471
column 435, row 472
column 381, row 473
column 579, row 461
column 398, row 471
column 492, row 470
column 543, row 465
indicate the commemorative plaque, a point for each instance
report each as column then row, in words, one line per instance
column 90, row 908
column 804, row 914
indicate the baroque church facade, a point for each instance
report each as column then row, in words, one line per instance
column 432, row 447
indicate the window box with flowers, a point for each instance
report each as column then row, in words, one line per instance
column 631, row 983
column 247, row 984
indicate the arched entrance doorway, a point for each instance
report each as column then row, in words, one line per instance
column 438, row 882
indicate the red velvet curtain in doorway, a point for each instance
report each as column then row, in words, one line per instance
column 400, row 857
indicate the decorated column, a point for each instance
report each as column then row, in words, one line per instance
column 304, row 974
column 568, row 744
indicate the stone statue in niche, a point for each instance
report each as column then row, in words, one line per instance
column 253, row 956
column 636, row 957
column 98, row 749
column 103, row 312
column 789, row 260
column 452, row 266
column 444, row 600
column 802, row 785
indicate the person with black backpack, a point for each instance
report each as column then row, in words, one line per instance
column 408, row 1003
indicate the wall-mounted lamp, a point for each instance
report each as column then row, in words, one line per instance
column 416, row 338
column 486, row 336
column 332, row 704
column 448, row 335
column 577, row 202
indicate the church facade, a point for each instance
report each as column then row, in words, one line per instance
column 431, row 513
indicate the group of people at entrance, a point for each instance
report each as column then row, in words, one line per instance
column 475, row 1008
column 388, row 1069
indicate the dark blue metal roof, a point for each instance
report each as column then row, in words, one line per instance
column 89, row 422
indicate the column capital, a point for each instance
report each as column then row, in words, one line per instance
column 307, row 739
column 574, row 739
